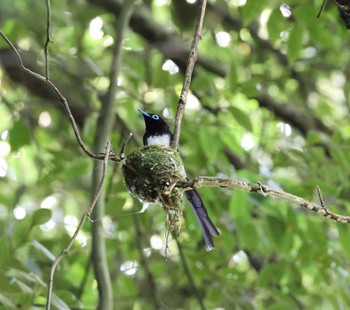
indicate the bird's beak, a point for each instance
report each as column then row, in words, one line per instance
column 144, row 113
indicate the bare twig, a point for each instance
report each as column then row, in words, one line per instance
column 324, row 3
column 204, row 181
column 48, row 38
column 189, row 274
column 320, row 197
column 192, row 58
column 81, row 224
column 62, row 99
column 125, row 143
column 151, row 288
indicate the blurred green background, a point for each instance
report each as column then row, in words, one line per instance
column 269, row 102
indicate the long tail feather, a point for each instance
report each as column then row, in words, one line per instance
column 201, row 213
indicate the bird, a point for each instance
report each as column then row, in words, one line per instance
column 158, row 132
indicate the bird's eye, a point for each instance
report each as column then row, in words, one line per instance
column 155, row 116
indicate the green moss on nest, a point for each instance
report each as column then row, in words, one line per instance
column 150, row 174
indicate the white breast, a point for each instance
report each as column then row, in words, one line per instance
column 162, row 140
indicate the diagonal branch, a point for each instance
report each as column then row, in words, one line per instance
column 304, row 122
column 80, row 226
column 188, row 75
column 151, row 289
column 189, row 275
column 62, row 99
column 204, row 181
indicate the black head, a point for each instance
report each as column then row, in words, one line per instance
column 157, row 131
column 154, row 123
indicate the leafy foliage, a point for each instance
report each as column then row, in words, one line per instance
column 269, row 103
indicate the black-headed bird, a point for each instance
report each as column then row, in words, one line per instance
column 158, row 133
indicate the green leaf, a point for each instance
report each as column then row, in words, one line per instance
column 59, row 303
column 248, row 235
column 295, row 42
column 26, row 289
column 5, row 251
column 242, row 118
column 283, row 301
column 341, row 158
column 67, row 296
column 277, row 232
column 7, row 302
column 116, row 201
column 41, row 216
column 251, row 10
column 228, row 137
column 320, row 35
column 249, row 89
column 19, row 135
column 314, row 138
column 232, row 76
column 239, row 209
column 42, row 251
column 275, row 25
column 210, row 143
column 77, row 168
column 268, row 274
column 343, row 231
column 22, row 231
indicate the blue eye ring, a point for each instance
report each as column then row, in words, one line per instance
column 155, row 117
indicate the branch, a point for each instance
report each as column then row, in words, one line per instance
column 188, row 75
column 42, row 90
column 204, row 181
column 48, row 38
column 323, row 5
column 63, row 100
column 151, row 288
column 298, row 118
column 189, row 275
column 344, row 11
column 103, row 131
column 80, row 226
column 168, row 43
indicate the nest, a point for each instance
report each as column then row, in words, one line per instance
column 151, row 173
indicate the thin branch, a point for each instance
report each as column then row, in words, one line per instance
column 320, row 197
column 204, row 181
column 81, row 224
column 324, row 3
column 48, row 38
column 192, row 58
column 151, row 288
column 62, row 99
column 125, row 143
column 189, row 274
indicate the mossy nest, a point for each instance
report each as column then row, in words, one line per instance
column 151, row 173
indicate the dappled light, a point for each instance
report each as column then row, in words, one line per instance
column 256, row 104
